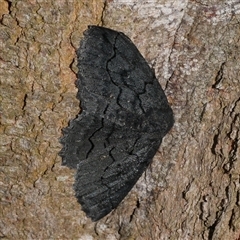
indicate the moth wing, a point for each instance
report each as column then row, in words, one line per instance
column 125, row 115
column 101, row 184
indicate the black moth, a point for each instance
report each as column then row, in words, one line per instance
column 124, row 116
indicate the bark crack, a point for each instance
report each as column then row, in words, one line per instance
column 219, row 76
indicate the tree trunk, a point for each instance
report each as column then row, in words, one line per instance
column 191, row 189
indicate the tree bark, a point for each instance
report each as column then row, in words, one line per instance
column 191, row 189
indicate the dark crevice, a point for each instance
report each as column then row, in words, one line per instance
column 212, row 228
column 234, row 140
column 71, row 65
column 231, row 221
column 215, row 142
column 110, row 155
column 120, row 89
column 203, row 112
column 235, row 105
column 113, row 160
column 141, row 93
column 134, row 210
column 24, row 101
column 222, row 207
column 184, row 193
column 140, row 105
column 89, row 139
column 108, row 70
column 232, row 155
column 219, row 76
column 118, row 98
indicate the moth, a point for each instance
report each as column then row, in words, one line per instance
column 124, row 116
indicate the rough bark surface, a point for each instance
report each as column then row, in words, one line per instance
column 191, row 190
